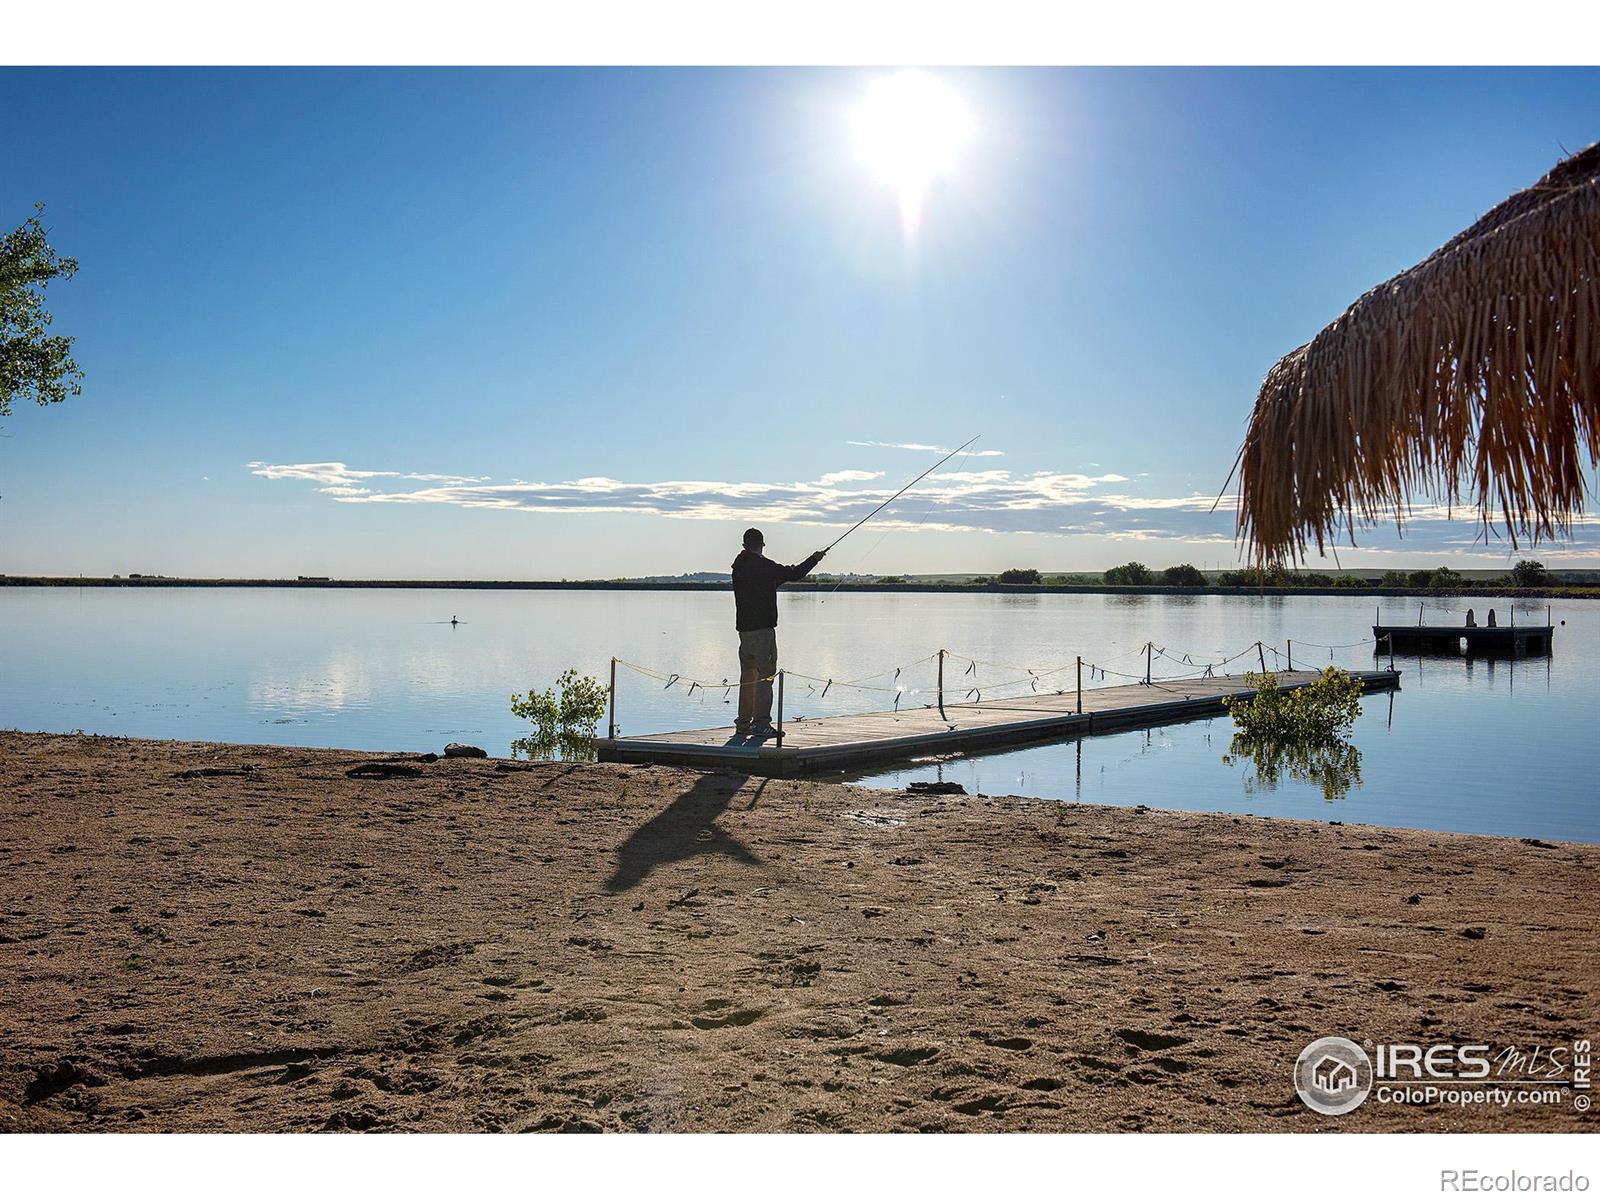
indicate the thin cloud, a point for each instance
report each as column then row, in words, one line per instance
column 833, row 477
column 991, row 501
column 926, row 449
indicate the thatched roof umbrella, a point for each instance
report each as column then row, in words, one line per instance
column 1475, row 373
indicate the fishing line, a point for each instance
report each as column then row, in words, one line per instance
column 900, row 493
column 932, row 504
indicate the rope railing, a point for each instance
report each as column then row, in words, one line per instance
column 968, row 687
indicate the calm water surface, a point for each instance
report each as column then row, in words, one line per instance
column 1477, row 746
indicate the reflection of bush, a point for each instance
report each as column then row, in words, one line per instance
column 1333, row 764
column 562, row 747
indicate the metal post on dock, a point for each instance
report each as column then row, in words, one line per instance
column 941, row 683
column 780, row 708
column 1147, row 647
column 611, row 724
column 1288, row 645
column 1080, row 685
column 1262, row 655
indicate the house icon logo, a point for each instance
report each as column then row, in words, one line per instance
column 1333, row 1076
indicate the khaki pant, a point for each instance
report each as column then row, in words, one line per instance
column 758, row 663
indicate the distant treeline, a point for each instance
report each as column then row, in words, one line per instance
column 1529, row 574
column 1130, row 578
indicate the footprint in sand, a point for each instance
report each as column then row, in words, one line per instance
column 739, row 1017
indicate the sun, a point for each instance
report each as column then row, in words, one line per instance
column 910, row 129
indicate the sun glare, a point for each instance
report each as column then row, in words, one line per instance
column 909, row 130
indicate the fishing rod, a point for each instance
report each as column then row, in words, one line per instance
column 900, row 493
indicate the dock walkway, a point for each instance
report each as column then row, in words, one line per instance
column 824, row 743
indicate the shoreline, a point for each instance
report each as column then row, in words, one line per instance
column 1574, row 592
column 214, row 937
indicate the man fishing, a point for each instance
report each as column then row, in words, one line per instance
column 756, row 579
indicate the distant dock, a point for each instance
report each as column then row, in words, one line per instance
column 1504, row 641
column 832, row 743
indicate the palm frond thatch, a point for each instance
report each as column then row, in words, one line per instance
column 1475, row 373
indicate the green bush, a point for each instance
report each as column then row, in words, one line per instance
column 1131, row 574
column 1313, row 579
column 1445, row 578
column 1395, row 579
column 572, row 708
column 1183, row 575
column 1351, row 581
column 1301, row 732
column 1321, row 711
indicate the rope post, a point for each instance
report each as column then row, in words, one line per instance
column 1080, row 685
column 1147, row 647
column 780, row 708
column 611, row 724
column 941, row 683
column 1390, row 636
column 1262, row 655
column 1289, row 646
column 1419, row 616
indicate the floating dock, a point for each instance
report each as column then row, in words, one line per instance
column 834, row 743
column 1507, row 641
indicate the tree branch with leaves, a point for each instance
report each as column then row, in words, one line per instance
column 34, row 363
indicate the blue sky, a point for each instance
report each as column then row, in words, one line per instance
column 589, row 323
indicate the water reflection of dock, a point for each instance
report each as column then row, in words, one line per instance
column 1504, row 641
column 821, row 743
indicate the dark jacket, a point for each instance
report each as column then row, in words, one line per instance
column 756, row 579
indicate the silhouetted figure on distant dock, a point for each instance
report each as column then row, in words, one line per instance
column 756, row 580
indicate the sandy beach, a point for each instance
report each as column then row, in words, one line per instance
column 212, row 937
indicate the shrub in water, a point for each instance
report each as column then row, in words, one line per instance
column 1320, row 711
column 1302, row 732
column 572, row 708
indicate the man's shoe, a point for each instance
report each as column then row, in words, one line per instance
column 762, row 729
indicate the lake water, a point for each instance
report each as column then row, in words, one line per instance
column 1478, row 746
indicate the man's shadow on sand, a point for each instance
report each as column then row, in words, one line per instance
column 680, row 831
